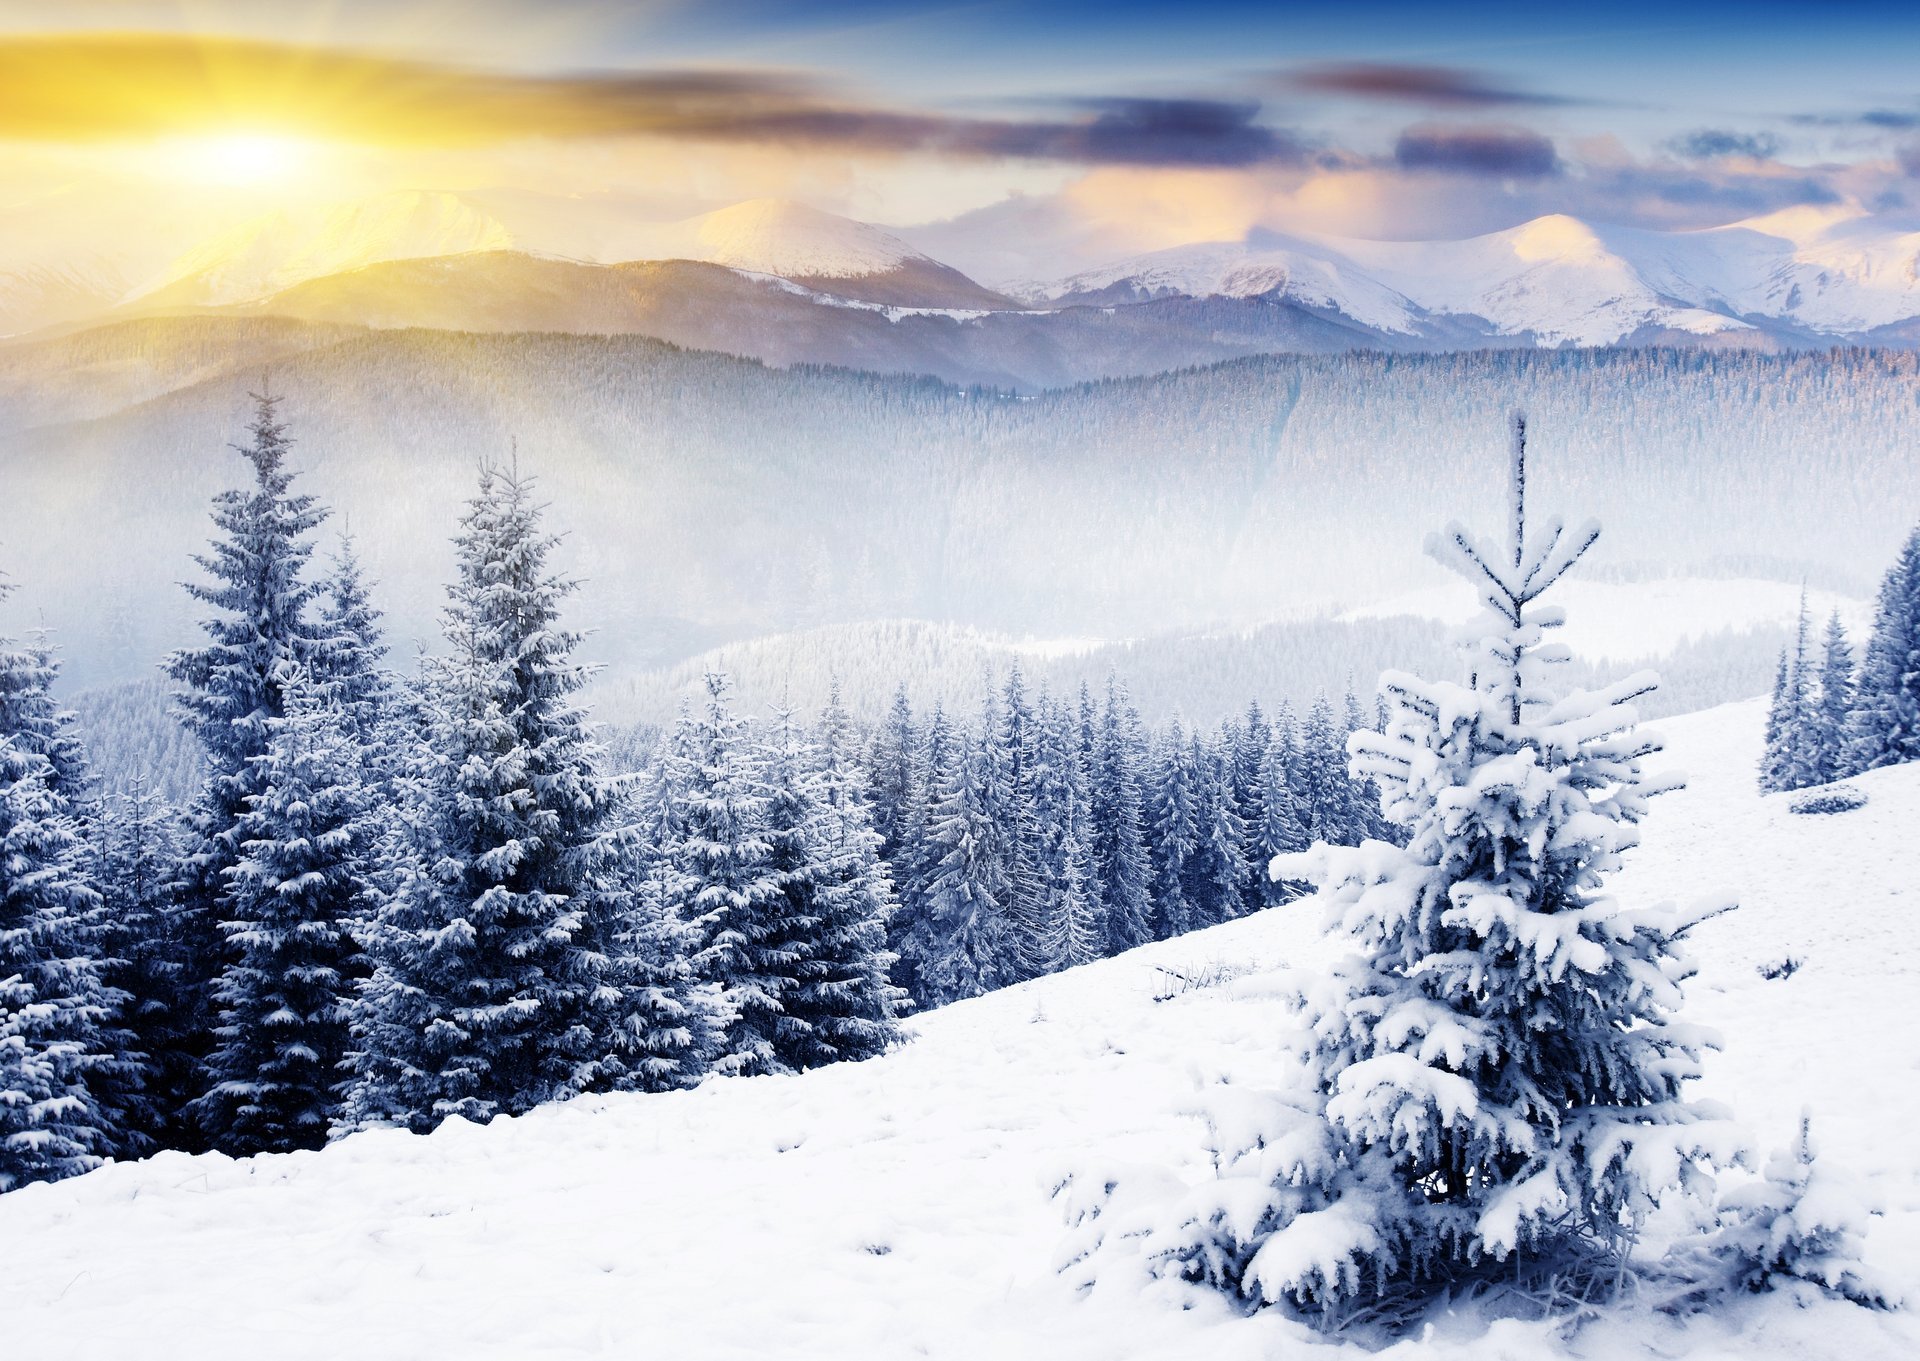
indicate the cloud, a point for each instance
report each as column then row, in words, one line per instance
column 1705, row 144
column 1884, row 120
column 98, row 86
column 1437, row 86
column 1493, row 150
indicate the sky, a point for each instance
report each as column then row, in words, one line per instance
column 1125, row 124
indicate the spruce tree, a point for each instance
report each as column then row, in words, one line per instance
column 968, row 943
column 1499, row 1075
column 260, row 632
column 1177, row 830
column 894, row 761
column 1832, row 711
column 1279, row 830
column 1216, row 869
column 1773, row 752
column 719, row 845
column 834, row 900
column 1326, row 790
column 1885, row 728
column 139, row 867
column 483, row 968
column 914, row 859
column 1122, row 868
column 295, row 894
column 1252, row 739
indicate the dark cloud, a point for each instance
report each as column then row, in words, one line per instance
column 1886, row 120
column 1705, row 144
column 1494, row 151
column 89, row 86
column 1436, row 86
column 1156, row 132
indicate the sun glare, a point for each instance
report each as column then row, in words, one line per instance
column 241, row 158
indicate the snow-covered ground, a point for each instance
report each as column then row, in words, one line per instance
column 901, row 1208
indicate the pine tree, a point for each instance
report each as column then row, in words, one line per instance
column 969, row 944
column 1885, row 729
column 484, row 970
column 56, row 1011
column 834, row 900
column 915, row 859
column 1012, row 806
column 1326, row 791
column 895, row 763
column 1176, row 836
column 232, row 690
column 1499, row 1075
column 1280, row 830
column 719, row 845
column 1216, row 869
column 138, row 869
column 1068, row 928
column 1252, row 739
column 349, row 648
column 1122, row 868
column 296, row 891
column 1773, row 753
column 1831, row 713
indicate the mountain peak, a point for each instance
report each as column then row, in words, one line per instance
column 793, row 240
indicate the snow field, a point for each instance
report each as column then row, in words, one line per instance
column 903, row 1207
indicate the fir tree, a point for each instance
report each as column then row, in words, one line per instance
column 1176, row 836
column 232, row 690
column 1773, row 752
column 834, row 901
column 484, row 969
column 1828, row 746
column 1122, row 869
column 967, row 942
column 276, row 1069
column 1216, row 868
column 1279, row 830
column 1885, row 728
column 1326, row 791
column 719, row 845
column 1498, row 1073
column 56, row 1011
column 138, row 869
column 895, row 762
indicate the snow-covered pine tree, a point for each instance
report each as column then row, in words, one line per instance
column 894, row 765
column 1217, row 867
column 1252, row 739
column 916, row 859
column 350, row 648
column 479, row 1002
column 834, row 898
column 1069, row 930
column 56, row 1010
column 966, row 943
column 1116, row 816
column 231, row 689
column 1279, row 830
column 138, row 866
column 719, row 845
column 1831, row 711
column 1885, row 727
column 41, row 727
column 1773, row 751
column 1011, row 804
column 275, row 1070
column 1325, row 789
column 1177, row 831
column 1497, row 1071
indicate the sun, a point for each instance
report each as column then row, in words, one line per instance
column 240, row 159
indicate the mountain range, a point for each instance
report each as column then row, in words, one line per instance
column 786, row 283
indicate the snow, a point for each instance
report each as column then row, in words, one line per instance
column 775, row 236
column 902, row 1207
column 1639, row 619
column 1561, row 280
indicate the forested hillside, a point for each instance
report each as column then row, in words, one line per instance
column 710, row 499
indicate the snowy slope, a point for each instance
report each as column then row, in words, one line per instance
column 901, row 1207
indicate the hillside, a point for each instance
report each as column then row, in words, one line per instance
column 902, row 1207
column 712, row 499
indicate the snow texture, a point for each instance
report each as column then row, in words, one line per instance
column 901, row 1207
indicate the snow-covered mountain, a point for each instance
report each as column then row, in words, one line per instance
column 909, row 1206
column 1800, row 277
